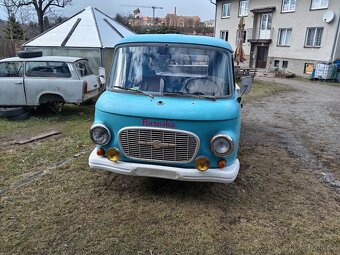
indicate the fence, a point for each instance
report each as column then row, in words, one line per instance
column 9, row 48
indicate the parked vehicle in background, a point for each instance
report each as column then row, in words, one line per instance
column 32, row 80
column 171, row 110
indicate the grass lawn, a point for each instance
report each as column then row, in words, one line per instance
column 65, row 208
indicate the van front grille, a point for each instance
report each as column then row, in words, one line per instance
column 159, row 145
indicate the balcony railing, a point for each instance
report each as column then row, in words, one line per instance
column 260, row 35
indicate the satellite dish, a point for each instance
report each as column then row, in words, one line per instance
column 328, row 16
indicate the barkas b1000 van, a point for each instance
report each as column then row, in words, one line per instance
column 171, row 110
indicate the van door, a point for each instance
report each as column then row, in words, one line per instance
column 12, row 90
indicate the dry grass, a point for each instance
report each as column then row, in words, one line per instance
column 274, row 206
column 265, row 89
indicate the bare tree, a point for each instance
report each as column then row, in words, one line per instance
column 8, row 7
column 41, row 7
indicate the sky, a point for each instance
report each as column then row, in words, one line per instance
column 202, row 8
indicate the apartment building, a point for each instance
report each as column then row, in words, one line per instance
column 293, row 35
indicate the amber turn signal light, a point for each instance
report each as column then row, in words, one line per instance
column 113, row 154
column 202, row 164
column 100, row 152
column 222, row 163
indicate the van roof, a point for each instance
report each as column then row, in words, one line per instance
column 44, row 58
column 176, row 38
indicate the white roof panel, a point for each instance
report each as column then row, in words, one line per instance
column 43, row 58
column 89, row 28
column 108, row 26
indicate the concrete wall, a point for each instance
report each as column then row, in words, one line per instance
column 92, row 54
column 107, row 60
column 298, row 21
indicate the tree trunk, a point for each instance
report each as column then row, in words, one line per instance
column 41, row 21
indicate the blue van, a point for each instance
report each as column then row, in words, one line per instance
column 171, row 110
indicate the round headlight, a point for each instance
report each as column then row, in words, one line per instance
column 100, row 134
column 221, row 145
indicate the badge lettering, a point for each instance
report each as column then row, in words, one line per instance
column 161, row 124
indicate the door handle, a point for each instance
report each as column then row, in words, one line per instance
column 19, row 83
column 95, row 86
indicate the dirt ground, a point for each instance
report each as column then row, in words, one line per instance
column 308, row 121
column 284, row 201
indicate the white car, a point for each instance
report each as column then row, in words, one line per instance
column 32, row 80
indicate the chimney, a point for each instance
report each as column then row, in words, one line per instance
column 175, row 11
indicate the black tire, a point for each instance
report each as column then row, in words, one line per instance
column 23, row 116
column 29, row 54
column 11, row 112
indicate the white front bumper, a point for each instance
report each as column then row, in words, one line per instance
column 223, row 175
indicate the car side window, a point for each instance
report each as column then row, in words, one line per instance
column 47, row 69
column 83, row 68
column 11, row 69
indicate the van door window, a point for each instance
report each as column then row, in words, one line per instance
column 11, row 69
column 47, row 69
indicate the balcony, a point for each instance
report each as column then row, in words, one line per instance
column 260, row 36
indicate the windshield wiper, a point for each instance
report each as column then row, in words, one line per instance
column 196, row 94
column 201, row 95
column 173, row 93
column 136, row 90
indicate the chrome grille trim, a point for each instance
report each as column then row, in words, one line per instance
column 158, row 144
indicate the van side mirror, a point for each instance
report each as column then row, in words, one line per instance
column 246, row 84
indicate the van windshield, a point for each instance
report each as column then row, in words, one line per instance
column 186, row 70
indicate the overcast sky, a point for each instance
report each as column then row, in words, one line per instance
column 202, row 8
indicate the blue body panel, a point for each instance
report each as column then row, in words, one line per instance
column 174, row 108
column 203, row 117
column 176, row 38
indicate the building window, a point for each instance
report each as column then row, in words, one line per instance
column 284, row 64
column 224, row 35
column 243, row 8
column 244, row 36
column 319, row 4
column 288, row 5
column 309, row 67
column 314, row 36
column 285, row 35
column 225, row 10
column 276, row 63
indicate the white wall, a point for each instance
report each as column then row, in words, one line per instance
column 298, row 21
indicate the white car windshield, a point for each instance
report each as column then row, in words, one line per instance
column 188, row 70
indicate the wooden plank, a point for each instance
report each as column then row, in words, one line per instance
column 36, row 138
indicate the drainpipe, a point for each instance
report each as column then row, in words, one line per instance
column 215, row 16
column 101, row 58
column 335, row 41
